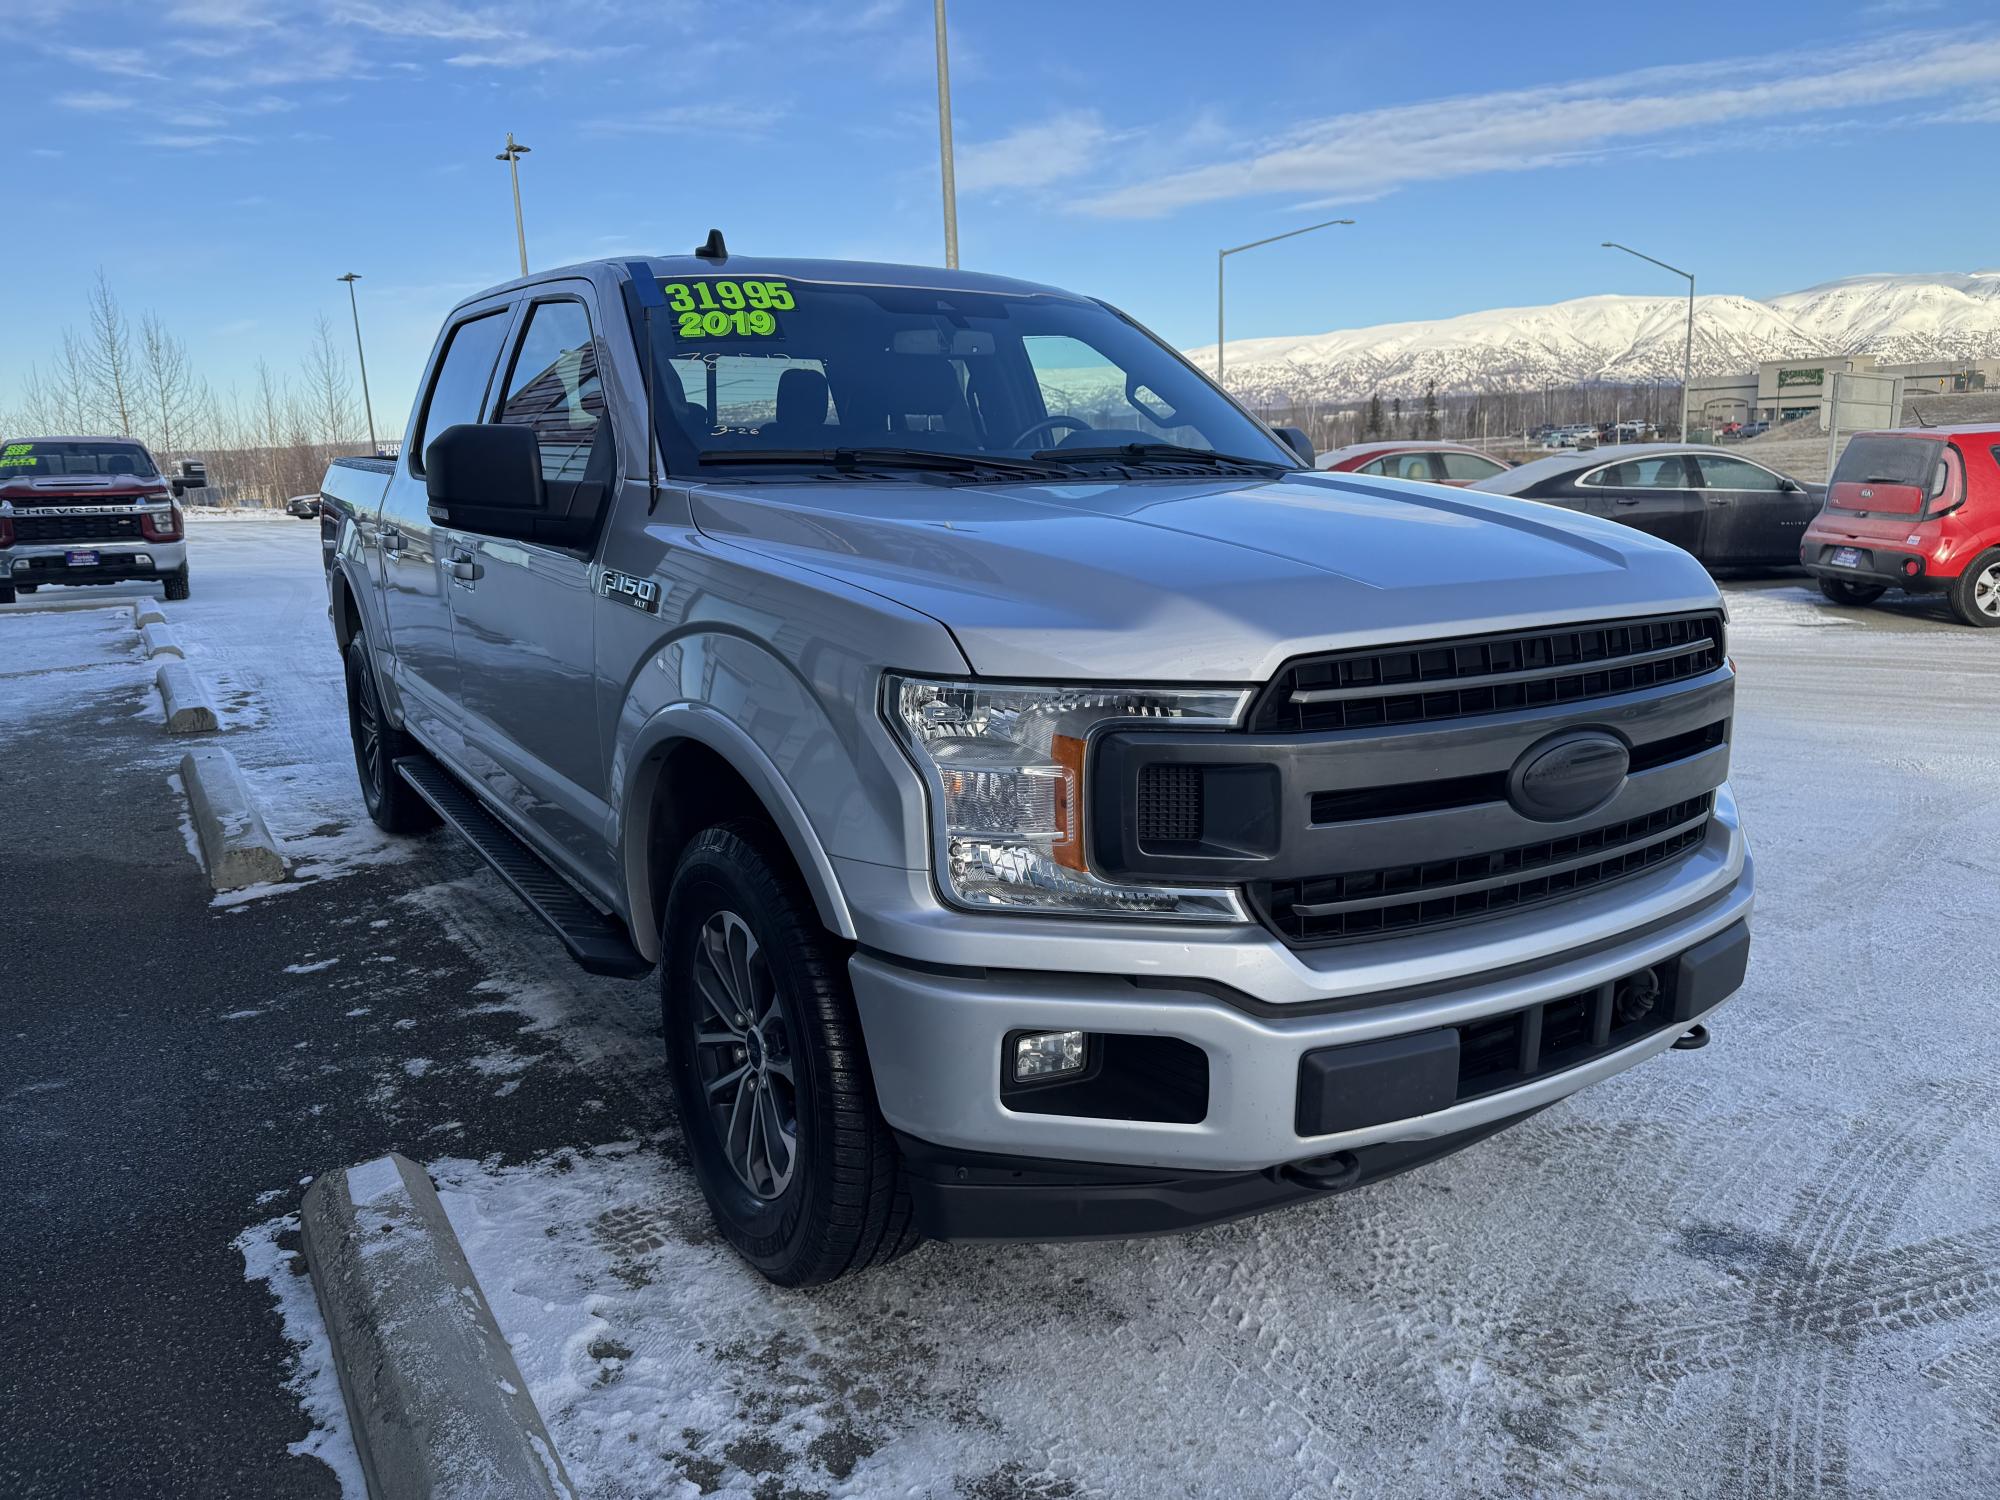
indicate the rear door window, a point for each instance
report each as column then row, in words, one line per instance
column 1737, row 474
column 1469, row 468
column 458, row 391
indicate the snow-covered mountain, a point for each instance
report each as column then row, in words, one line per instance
column 1905, row 319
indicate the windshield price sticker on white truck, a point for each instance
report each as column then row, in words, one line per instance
column 718, row 309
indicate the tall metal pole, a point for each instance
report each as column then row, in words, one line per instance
column 1221, row 258
column 367, row 405
column 1687, row 354
column 512, row 156
column 944, row 144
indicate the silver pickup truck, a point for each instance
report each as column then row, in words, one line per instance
column 1053, row 809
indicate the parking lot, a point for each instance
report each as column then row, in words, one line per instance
column 1770, row 1267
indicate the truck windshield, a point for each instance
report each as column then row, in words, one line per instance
column 784, row 373
column 34, row 459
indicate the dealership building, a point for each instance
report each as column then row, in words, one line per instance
column 1781, row 389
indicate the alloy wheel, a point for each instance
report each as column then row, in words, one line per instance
column 744, row 1055
column 1986, row 590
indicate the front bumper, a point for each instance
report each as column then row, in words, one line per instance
column 936, row 1038
column 47, row 563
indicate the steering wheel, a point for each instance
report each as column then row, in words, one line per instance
column 1075, row 424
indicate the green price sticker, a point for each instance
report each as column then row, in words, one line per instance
column 17, row 455
column 728, row 309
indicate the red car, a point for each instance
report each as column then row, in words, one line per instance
column 1915, row 508
column 1436, row 463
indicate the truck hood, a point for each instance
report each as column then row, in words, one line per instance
column 1203, row 581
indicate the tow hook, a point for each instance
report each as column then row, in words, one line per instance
column 1692, row 1040
column 1328, row 1174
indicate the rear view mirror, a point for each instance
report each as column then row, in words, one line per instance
column 487, row 478
column 964, row 343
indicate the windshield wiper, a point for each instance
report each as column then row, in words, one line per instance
column 879, row 458
column 1146, row 453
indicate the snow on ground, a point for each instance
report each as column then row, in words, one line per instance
column 1771, row 1267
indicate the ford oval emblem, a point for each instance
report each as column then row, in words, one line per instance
column 1567, row 776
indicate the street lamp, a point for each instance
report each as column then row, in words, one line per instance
column 1687, row 354
column 512, row 156
column 366, row 405
column 1222, row 259
column 944, row 145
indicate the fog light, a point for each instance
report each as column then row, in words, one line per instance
column 141, row 560
column 1048, row 1054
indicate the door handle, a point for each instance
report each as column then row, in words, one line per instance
column 390, row 538
column 463, row 569
column 1626, row 500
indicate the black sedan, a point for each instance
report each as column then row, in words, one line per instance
column 1722, row 507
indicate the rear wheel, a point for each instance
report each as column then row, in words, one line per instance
column 26, row 588
column 392, row 802
column 1840, row 591
column 769, row 1068
column 1975, row 597
column 177, row 583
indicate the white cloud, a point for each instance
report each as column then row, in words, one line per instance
column 718, row 118
column 96, row 102
column 1342, row 158
column 122, row 62
column 447, row 23
column 1064, row 146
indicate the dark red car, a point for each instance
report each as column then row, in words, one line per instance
column 1914, row 508
column 1434, row 463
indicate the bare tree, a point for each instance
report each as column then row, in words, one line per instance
column 109, row 356
column 167, row 380
column 329, row 394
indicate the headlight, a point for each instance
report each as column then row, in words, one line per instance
column 1005, row 767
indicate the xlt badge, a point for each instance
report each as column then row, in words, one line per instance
column 640, row 593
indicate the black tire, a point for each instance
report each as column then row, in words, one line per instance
column 177, row 583
column 26, row 588
column 6, row 593
column 1840, row 591
column 842, row 1204
column 391, row 801
column 1975, row 595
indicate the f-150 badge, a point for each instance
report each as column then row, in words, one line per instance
column 640, row 593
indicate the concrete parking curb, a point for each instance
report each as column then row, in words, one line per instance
column 160, row 641
column 235, row 845
column 439, row 1408
column 145, row 613
column 185, row 699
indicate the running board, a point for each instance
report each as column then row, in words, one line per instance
column 598, row 942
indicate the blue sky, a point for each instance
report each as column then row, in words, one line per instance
column 224, row 160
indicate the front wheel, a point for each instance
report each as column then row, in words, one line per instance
column 391, row 801
column 769, row 1068
column 1840, row 591
column 177, row 583
column 1975, row 596
column 6, row 593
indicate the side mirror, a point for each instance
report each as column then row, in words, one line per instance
column 1299, row 443
column 488, row 478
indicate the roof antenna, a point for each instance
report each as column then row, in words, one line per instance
column 713, row 248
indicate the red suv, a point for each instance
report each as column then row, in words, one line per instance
column 1915, row 508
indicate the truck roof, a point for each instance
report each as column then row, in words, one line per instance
column 859, row 272
column 88, row 437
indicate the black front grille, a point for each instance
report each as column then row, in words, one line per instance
column 1170, row 804
column 1404, row 898
column 75, row 528
column 1489, row 674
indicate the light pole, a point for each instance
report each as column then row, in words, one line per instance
column 1687, row 354
column 944, row 145
column 366, row 405
column 512, row 156
column 1222, row 259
